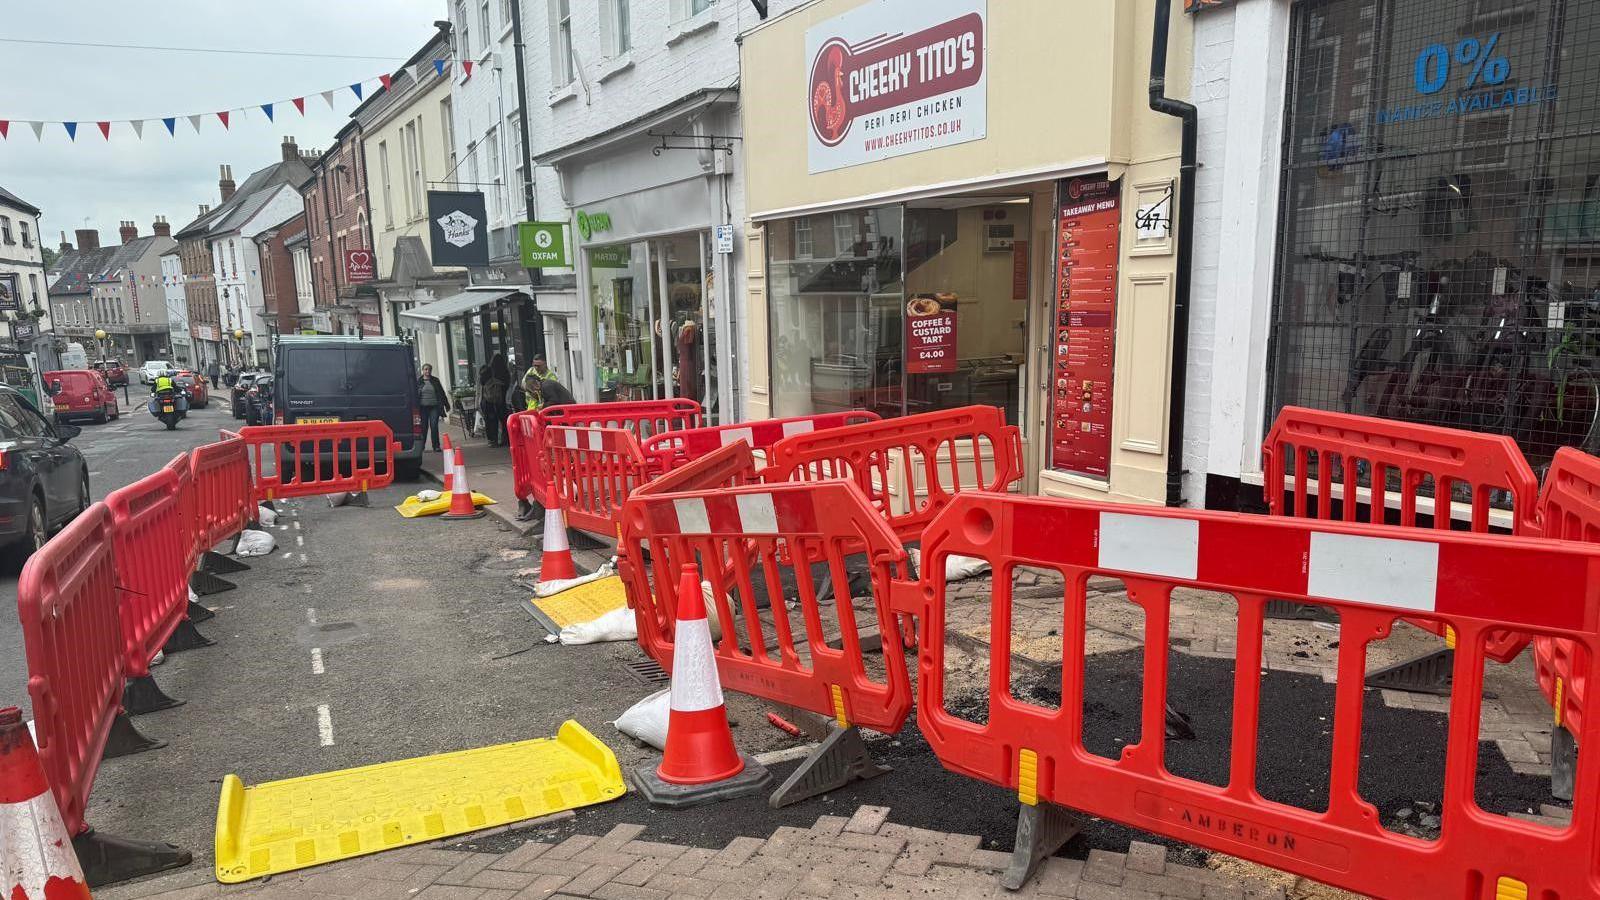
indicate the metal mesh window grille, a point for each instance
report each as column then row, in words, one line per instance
column 1439, row 255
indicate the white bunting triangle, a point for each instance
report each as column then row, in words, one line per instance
column 195, row 121
column 420, row 71
column 138, row 128
column 38, row 130
column 328, row 96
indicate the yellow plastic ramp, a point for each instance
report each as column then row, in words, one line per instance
column 583, row 603
column 414, row 506
column 285, row 825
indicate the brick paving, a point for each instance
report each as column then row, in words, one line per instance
column 863, row 857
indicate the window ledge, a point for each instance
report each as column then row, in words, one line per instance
column 564, row 93
column 680, row 31
column 615, row 66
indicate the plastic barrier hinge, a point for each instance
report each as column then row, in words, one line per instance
column 906, row 597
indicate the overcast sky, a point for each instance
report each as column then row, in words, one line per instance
column 106, row 182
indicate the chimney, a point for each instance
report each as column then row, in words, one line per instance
column 88, row 239
column 205, row 208
column 291, row 150
column 160, row 227
column 225, row 184
column 128, row 231
column 65, row 246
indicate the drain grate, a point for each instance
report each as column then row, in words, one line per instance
column 647, row 671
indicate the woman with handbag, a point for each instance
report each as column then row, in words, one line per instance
column 492, row 382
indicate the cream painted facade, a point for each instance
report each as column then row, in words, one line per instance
column 1067, row 96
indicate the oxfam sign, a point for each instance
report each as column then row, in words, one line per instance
column 591, row 223
column 544, row 245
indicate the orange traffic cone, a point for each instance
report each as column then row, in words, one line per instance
column 449, row 464
column 701, row 763
column 37, row 861
column 556, row 562
column 461, row 505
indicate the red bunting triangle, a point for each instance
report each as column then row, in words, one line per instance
column 105, row 129
column 387, row 80
column 224, row 117
column 300, row 104
column 5, row 129
column 466, row 66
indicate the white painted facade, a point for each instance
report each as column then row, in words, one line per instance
column 236, row 263
column 21, row 254
column 1240, row 96
column 177, row 308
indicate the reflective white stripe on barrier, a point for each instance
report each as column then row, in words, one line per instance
column 1150, row 545
column 571, row 437
column 733, row 435
column 692, row 518
column 1381, row 571
column 756, row 513
column 694, row 669
column 596, row 440
column 804, row 426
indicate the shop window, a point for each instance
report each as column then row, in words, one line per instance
column 561, row 63
column 804, row 246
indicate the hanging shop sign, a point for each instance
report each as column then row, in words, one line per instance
column 458, row 227
column 358, row 266
column 544, row 245
column 23, row 331
column 931, row 334
column 895, row 77
column 1089, row 223
column 10, row 292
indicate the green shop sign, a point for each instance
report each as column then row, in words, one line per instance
column 544, row 245
column 589, row 223
column 616, row 256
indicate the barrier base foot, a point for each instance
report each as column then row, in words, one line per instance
column 125, row 740
column 1430, row 673
column 142, row 695
column 841, row 758
column 186, row 637
column 108, row 859
column 753, row 780
column 1563, row 763
column 198, row 613
column 1042, row 829
column 205, row 584
column 1303, row 612
column 218, row 564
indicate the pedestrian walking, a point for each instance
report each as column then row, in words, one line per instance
column 493, row 380
column 435, row 404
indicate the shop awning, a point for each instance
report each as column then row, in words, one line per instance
column 437, row 311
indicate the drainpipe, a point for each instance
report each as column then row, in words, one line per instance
column 1188, row 115
column 535, row 276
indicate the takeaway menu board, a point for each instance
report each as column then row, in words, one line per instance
column 1085, row 331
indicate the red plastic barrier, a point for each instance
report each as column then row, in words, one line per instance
column 592, row 471
column 1477, row 583
column 644, row 418
column 153, row 564
column 675, row 448
column 181, row 468
column 1569, row 510
column 1350, row 446
column 224, row 501
column 731, row 465
column 526, row 441
column 72, row 634
column 941, row 453
column 333, row 458
column 766, row 537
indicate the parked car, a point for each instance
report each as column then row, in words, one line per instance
column 152, row 368
column 240, row 388
column 195, row 384
column 258, row 401
column 44, row 482
column 80, row 394
column 333, row 378
column 116, row 374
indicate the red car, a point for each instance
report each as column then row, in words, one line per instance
column 115, row 374
column 195, row 384
column 81, row 394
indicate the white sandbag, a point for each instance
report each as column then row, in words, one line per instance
column 647, row 720
column 266, row 515
column 428, row 495
column 956, row 568
column 712, row 616
column 616, row 625
column 255, row 543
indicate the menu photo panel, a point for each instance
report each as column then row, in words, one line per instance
column 1088, row 225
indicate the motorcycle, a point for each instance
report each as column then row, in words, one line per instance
column 168, row 406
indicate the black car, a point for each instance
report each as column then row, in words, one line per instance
column 44, row 481
column 258, row 401
column 240, row 389
column 329, row 378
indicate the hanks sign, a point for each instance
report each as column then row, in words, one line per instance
column 895, row 77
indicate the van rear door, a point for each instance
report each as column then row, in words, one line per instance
column 313, row 384
column 382, row 384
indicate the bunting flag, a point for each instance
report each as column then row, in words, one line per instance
column 466, row 67
column 223, row 116
column 387, row 80
column 267, row 108
column 172, row 125
column 72, row 130
column 138, row 128
column 105, row 129
column 357, row 89
column 300, row 104
column 438, row 67
column 38, row 130
column 194, row 121
column 328, row 96
column 5, row 129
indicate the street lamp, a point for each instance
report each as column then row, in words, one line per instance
column 238, row 345
column 100, row 338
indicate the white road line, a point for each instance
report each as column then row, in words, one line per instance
column 325, row 725
column 297, row 525
column 316, row 661
column 299, row 540
column 311, row 614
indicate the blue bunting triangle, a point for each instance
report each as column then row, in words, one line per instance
column 357, row 88
column 438, row 66
column 72, row 129
column 267, row 108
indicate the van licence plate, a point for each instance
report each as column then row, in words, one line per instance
column 315, row 420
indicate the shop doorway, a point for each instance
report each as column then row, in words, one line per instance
column 653, row 303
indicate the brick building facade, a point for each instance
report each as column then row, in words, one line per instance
column 277, row 274
column 337, row 222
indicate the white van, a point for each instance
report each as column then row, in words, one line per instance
column 151, row 369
